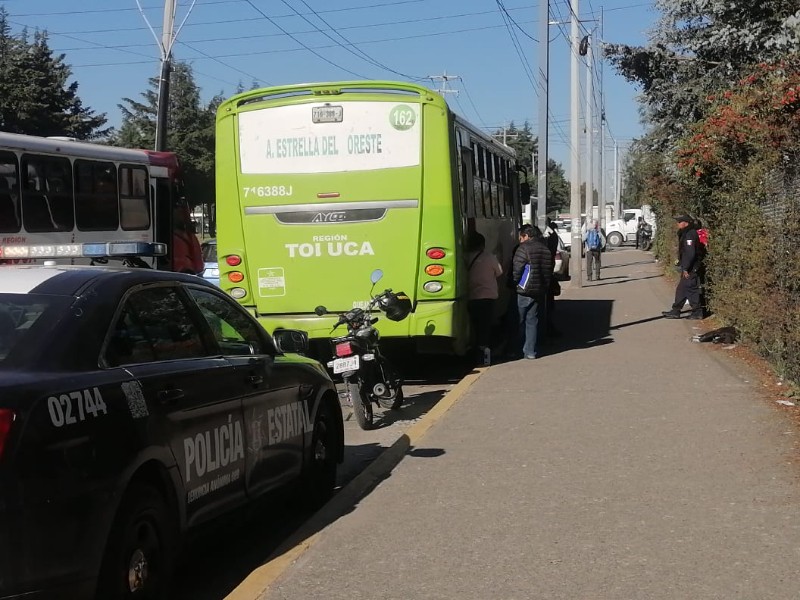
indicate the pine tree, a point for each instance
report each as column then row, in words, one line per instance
column 190, row 129
column 525, row 145
column 36, row 96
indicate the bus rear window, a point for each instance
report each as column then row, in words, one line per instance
column 293, row 139
column 133, row 201
column 10, row 221
column 47, row 202
column 96, row 198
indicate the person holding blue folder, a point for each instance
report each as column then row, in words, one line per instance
column 532, row 270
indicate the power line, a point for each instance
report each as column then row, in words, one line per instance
column 283, row 51
column 349, row 46
column 317, row 54
column 112, row 10
column 108, row 10
column 525, row 33
column 267, row 35
column 475, row 108
column 517, row 47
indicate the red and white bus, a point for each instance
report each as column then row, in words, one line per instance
column 58, row 197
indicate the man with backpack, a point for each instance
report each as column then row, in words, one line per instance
column 532, row 270
column 594, row 241
column 690, row 255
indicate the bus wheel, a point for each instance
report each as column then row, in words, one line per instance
column 139, row 555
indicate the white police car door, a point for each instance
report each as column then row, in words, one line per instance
column 275, row 419
column 194, row 406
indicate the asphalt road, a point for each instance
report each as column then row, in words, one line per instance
column 217, row 560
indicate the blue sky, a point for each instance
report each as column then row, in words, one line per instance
column 113, row 52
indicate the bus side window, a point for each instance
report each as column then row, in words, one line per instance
column 47, row 199
column 96, row 197
column 10, row 221
column 134, row 203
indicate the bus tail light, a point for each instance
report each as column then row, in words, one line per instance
column 432, row 286
column 238, row 293
column 235, row 276
column 7, row 417
column 434, row 270
column 233, row 260
column 435, row 253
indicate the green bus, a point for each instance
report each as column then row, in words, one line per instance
column 320, row 184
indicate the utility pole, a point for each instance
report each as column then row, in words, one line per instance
column 444, row 78
column 589, row 132
column 601, row 198
column 575, row 168
column 167, row 39
column 544, row 110
column 617, row 186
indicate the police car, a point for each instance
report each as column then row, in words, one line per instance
column 136, row 405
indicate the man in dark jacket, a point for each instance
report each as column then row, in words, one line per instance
column 689, row 261
column 533, row 284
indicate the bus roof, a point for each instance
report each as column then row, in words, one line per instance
column 31, row 143
column 324, row 91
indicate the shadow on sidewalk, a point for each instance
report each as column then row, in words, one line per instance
column 583, row 324
column 621, row 279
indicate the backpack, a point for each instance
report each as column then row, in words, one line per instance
column 702, row 236
column 593, row 240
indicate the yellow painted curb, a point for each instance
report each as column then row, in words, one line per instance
column 262, row 578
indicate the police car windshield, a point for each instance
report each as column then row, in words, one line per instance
column 18, row 314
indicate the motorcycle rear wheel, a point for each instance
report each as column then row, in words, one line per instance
column 362, row 407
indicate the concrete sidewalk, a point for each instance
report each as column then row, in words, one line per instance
column 628, row 463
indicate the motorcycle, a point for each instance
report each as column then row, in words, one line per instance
column 646, row 237
column 368, row 377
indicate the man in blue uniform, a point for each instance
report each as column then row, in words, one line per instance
column 689, row 260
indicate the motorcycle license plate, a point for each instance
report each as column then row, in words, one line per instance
column 340, row 365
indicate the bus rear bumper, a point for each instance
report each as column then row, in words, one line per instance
column 442, row 320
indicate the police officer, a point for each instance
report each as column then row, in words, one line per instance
column 689, row 261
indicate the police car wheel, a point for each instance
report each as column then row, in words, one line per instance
column 362, row 405
column 138, row 559
column 320, row 479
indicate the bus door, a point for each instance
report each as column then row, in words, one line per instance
column 162, row 214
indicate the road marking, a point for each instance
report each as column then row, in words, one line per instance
column 263, row 577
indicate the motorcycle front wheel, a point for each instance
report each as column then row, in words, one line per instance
column 362, row 407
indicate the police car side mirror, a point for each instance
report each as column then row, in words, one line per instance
column 292, row 341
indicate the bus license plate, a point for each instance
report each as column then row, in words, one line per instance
column 340, row 365
column 327, row 114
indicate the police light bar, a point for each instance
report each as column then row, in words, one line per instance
column 89, row 250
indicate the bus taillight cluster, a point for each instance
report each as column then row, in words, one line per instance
column 232, row 260
column 434, row 270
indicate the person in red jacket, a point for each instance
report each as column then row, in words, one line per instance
column 186, row 254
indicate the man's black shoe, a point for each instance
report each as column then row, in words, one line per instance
column 697, row 315
column 671, row 314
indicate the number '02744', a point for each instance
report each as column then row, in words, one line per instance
column 268, row 191
column 74, row 407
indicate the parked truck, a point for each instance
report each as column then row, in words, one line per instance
column 622, row 230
